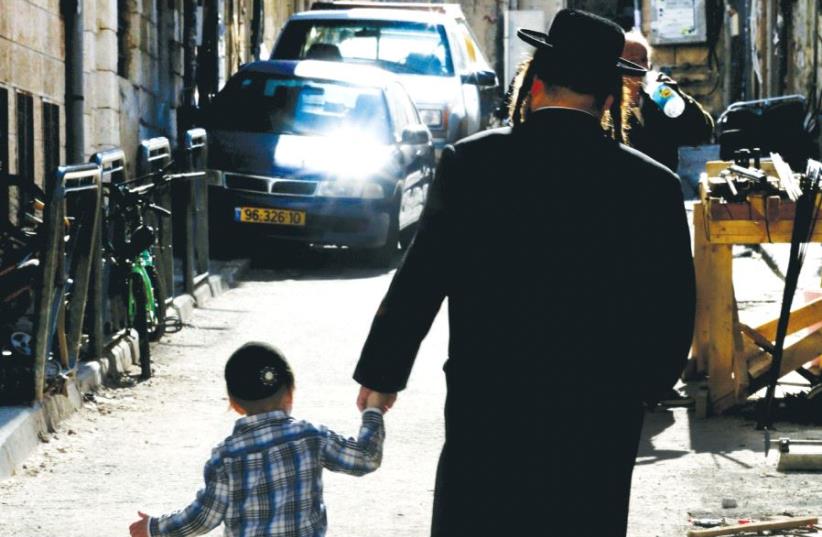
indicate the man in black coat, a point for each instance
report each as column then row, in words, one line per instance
column 566, row 261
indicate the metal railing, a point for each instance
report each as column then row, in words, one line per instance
column 73, row 200
column 154, row 159
column 75, row 293
column 194, row 240
column 102, row 322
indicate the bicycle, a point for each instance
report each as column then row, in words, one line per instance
column 21, row 246
column 132, row 257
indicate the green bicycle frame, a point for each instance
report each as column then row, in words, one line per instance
column 143, row 261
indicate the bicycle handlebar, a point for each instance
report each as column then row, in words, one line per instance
column 161, row 210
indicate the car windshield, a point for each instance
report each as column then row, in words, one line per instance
column 401, row 47
column 256, row 102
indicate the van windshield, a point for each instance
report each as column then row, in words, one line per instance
column 258, row 102
column 397, row 46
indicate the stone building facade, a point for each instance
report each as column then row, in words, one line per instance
column 133, row 66
column 32, row 88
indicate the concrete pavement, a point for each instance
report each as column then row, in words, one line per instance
column 143, row 447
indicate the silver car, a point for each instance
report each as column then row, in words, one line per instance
column 317, row 152
column 436, row 59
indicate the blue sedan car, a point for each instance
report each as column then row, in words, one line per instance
column 319, row 152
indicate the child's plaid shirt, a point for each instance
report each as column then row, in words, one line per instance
column 265, row 479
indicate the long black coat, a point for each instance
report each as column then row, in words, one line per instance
column 566, row 261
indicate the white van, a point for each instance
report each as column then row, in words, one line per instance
column 431, row 49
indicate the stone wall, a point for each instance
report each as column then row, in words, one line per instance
column 32, row 62
column 141, row 100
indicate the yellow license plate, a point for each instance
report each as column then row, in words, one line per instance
column 261, row 215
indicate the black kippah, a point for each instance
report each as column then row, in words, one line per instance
column 256, row 371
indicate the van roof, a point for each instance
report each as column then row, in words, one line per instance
column 452, row 10
column 402, row 15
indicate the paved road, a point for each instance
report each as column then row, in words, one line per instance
column 142, row 447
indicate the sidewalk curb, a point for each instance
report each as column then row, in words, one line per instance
column 22, row 428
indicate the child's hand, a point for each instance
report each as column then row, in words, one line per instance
column 140, row 528
column 383, row 401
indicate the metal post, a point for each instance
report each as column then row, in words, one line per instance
column 53, row 215
column 155, row 156
column 197, row 146
column 189, row 269
column 112, row 163
column 81, row 180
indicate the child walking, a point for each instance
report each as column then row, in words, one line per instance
column 266, row 478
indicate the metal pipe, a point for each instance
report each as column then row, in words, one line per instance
column 75, row 120
column 257, row 21
column 770, row 76
column 637, row 15
column 815, row 33
column 189, row 68
column 727, row 58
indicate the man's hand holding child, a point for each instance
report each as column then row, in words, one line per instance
column 369, row 398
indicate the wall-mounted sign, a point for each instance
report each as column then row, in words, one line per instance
column 677, row 22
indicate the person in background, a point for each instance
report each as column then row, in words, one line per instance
column 648, row 128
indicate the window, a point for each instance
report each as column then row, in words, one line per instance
column 401, row 47
column 402, row 118
column 260, row 103
column 4, row 154
column 25, row 143
column 51, row 140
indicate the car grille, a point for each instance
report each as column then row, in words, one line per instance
column 271, row 186
column 242, row 182
column 294, row 188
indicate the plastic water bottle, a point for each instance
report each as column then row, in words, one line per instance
column 666, row 97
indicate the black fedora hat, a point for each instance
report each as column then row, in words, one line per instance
column 588, row 41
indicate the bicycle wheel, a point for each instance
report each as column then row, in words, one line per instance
column 157, row 325
column 139, row 322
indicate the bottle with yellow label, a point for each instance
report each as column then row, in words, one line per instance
column 667, row 98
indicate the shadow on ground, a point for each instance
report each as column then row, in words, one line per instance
column 277, row 262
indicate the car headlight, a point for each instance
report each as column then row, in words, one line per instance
column 432, row 117
column 349, row 189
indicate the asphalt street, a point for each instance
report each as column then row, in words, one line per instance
column 142, row 446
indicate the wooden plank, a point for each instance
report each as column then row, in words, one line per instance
column 801, row 317
column 754, row 232
column 793, row 357
column 699, row 348
column 742, row 346
column 718, row 291
column 798, row 522
column 713, row 167
column 758, row 207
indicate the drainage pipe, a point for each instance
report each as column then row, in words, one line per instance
column 75, row 118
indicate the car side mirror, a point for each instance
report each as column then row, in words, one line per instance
column 416, row 135
column 481, row 78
